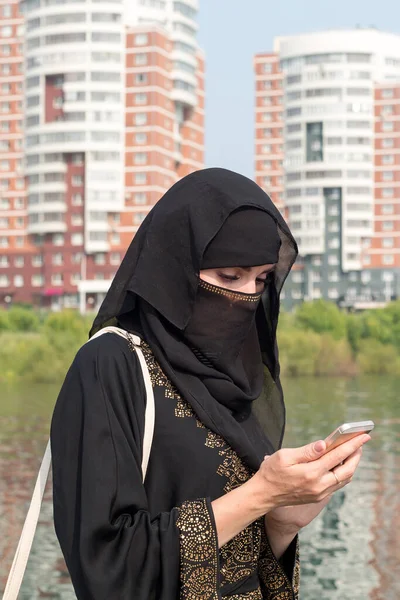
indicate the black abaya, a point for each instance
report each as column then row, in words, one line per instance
column 123, row 539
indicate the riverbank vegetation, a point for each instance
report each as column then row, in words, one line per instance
column 316, row 339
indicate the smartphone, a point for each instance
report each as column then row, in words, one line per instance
column 346, row 432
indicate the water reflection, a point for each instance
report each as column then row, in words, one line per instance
column 351, row 552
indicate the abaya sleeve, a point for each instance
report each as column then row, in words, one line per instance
column 113, row 547
column 279, row 578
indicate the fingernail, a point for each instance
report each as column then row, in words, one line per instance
column 319, row 446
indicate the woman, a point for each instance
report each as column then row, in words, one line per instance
column 214, row 519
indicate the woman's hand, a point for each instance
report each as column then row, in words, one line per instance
column 290, row 519
column 306, row 475
column 289, row 478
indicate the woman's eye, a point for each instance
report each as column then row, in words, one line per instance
column 228, row 277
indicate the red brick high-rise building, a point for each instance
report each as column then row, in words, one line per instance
column 102, row 110
column 327, row 143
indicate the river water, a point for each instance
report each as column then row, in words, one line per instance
column 350, row 552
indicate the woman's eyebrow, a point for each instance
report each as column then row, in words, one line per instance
column 269, row 270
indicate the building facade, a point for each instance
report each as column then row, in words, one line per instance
column 327, row 129
column 113, row 116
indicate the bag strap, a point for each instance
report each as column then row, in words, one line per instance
column 20, row 561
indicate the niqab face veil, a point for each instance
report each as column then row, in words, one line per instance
column 222, row 373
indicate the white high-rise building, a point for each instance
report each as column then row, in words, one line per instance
column 316, row 104
column 74, row 126
column 102, row 111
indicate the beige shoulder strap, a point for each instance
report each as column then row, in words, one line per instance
column 20, row 561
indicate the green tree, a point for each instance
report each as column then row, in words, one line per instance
column 322, row 317
column 22, row 319
column 4, row 322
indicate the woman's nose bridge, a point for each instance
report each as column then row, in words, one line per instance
column 250, row 287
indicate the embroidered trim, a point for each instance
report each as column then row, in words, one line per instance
column 253, row 595
column 273, row 578
column 199, row 552
column 224, row 292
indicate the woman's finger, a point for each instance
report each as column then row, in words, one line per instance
column 338, row 477
column 347, row 470
column 334, row 457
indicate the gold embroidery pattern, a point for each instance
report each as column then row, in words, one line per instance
column 232, row 295
column 199, row 548
column 253, row 595
column 296, row 573
column 239, row 557
column 275, row 581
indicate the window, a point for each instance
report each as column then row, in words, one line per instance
column 57, row 259
column 141, row 119
column 58, row 239
column 77, row 199
column 77, row 258
column 293, row 112
column 141, row 39
column 37, row 260
column 115, row 258
column 100, row 258
column 387, row 192
column 140, row 158
column 387, row 159
column 75, row 278
column 387, row 225
column 37, row 280
column 387, row 143
column 105, row 96
column 3, row 241
column 333, row 293
column 387, row 93
column 19, row 261
column 387, row 176
column 6, row 31
column 105, row 76
column 115, row 238
column 4, row 262
column 387, row 126
column 76, row 219
column 141, row 138
column 138, row 218
column 141, row 78
column 4, row 281
column 77, row 180
column 141, row 59
column 333, row 227
column 140, row 198
column 387, row 242
column 333, row 243
column 140, row 98
column 387, row 209
column 387, row 110
column 76, row 239
column 18, row 280
column 57, row 279
column 140, row 178
column 104, row 36
column 388, row 259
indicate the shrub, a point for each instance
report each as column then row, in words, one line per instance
column 376, row 358
column 322, row 317
column 298, row 352
column 4, row 322
column 22, row 319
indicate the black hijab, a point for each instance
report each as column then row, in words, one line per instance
column 211, row 218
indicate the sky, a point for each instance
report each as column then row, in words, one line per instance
column 232, row 31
